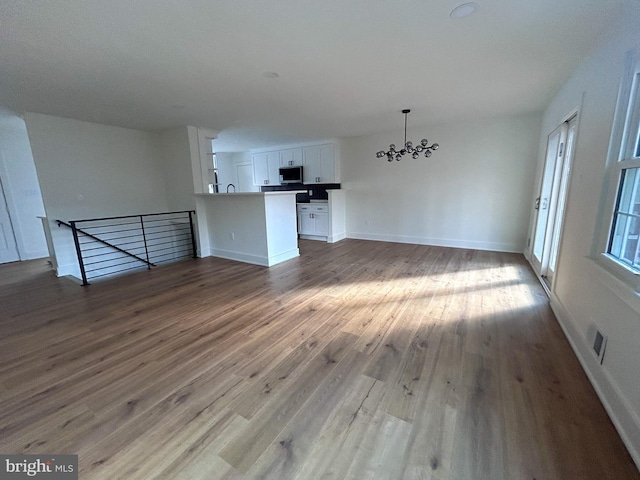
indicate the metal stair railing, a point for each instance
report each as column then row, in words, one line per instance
column 111, row 245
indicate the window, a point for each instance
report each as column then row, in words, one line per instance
column 623, row 245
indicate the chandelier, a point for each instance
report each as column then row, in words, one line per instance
column 408, row 147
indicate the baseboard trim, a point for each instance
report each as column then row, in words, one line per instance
column 256, row 259
column 34, row 254
column 439, row 242
column 624, row 419
column 70, row 269
column 240, row 257
column 313, row 237
column 337, row 237
column 284, row 256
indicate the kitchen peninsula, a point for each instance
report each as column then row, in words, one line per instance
column 251, row 227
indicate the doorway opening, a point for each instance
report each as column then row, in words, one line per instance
column 8, row 244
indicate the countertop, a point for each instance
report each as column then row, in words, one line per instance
column 238, row 194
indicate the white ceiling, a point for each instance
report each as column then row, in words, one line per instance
column 347, row 67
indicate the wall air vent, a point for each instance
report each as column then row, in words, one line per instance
column 599, row 345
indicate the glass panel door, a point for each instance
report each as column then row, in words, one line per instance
column 551, row 202
column 562, row 198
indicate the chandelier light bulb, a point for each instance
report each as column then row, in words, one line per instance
column 424, row 142
column 415, row 155
column 427, row 153
column 435, row 146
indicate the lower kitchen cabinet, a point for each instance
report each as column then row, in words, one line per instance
column 313, row 220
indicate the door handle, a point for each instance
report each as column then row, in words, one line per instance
column 537, row 204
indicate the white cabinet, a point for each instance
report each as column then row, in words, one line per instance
column 313, row 220
column 322, row 222
column 265, row 168
column 291, row 157
column 319, row 164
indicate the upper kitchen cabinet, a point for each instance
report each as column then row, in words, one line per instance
column 266, row 168
column 319, row 163
column 291, row 157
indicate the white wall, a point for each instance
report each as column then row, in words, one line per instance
column 200, row 151
column 178, row 178
column 337, row 212
column 282, row 228
column 21, row 187
column 89, row 170
column 241, row 217
column 583, row 294
column 474, row 192
column 226, row 171
column 250, row 227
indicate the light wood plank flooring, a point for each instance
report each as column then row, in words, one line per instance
column 359, row 360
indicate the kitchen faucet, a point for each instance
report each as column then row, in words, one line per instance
column 231, row 185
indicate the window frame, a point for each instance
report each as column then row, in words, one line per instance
column 623, row 146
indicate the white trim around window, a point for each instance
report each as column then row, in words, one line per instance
column 617, row 248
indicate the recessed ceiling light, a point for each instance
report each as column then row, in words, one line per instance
column 271, row 74
column 463, row 10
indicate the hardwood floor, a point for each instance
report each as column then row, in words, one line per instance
column 359, row 360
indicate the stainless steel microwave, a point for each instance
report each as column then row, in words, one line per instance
column 291, row 174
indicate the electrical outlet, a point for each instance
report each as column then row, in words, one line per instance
column 232, row 235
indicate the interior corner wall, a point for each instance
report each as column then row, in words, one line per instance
column 90, row 170
column 474, row 192
column 583, row 294
column 226, row 171
column 178, row 177
column 21, row 187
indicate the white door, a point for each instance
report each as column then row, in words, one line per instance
column 245, row 178
column 551, row 201
column 8, row 247
column 562, row 198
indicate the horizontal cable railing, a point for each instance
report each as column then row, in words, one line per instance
column 112, row 245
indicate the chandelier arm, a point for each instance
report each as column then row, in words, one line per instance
column 392, row 153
